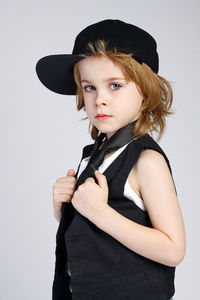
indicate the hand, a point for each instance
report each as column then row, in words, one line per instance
column 90, row 199
column 63, row 191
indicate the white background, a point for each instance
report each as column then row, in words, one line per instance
column 42, row 135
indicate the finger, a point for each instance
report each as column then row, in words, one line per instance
column 89, row 179
column 70, row 172
column 102, row 181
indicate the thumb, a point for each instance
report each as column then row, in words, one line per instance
column 71, row 172
column 102, row 181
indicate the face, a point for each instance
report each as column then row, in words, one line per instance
column 106, row 92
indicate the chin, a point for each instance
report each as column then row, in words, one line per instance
column 105, row 129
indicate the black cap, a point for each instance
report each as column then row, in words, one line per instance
column 56, row 71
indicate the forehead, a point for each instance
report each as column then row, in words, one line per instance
column 98, row 66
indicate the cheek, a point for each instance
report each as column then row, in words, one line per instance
column 88, row 100
column 88, row 109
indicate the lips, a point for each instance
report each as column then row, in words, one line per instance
column 102, row 115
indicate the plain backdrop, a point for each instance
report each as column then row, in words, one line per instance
column 42, row 134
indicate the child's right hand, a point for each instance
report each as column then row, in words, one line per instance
column 63, row 191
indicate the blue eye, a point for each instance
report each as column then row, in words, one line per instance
column 116, row 84
column 87, row 86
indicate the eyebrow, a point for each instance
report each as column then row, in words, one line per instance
column 106, row 79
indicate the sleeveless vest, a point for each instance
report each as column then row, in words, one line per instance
column 103, row 268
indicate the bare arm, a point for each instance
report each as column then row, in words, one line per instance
column 165, row 242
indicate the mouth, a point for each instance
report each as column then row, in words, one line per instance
column 102, row 116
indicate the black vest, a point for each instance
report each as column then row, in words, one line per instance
column 103, row 268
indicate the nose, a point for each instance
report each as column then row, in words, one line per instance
column 101, row 98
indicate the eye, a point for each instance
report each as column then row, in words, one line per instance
column 116, row 84
column 87, row 88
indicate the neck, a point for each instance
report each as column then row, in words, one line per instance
column 107, row 137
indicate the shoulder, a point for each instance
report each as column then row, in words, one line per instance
column 150, row 158
column 153, row 176
column 151, row 155
column 150, row 163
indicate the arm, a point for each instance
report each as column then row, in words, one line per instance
column 165, row 242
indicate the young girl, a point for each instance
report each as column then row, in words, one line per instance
column 121, row 232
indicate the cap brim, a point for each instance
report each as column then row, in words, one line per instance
column 56, row 73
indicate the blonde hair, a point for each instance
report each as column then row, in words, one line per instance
column 156, row 90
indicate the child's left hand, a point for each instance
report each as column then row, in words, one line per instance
column 90, row 199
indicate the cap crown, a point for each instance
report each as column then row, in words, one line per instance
column 126, row 38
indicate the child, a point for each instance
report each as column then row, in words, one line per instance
column 121, row 232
